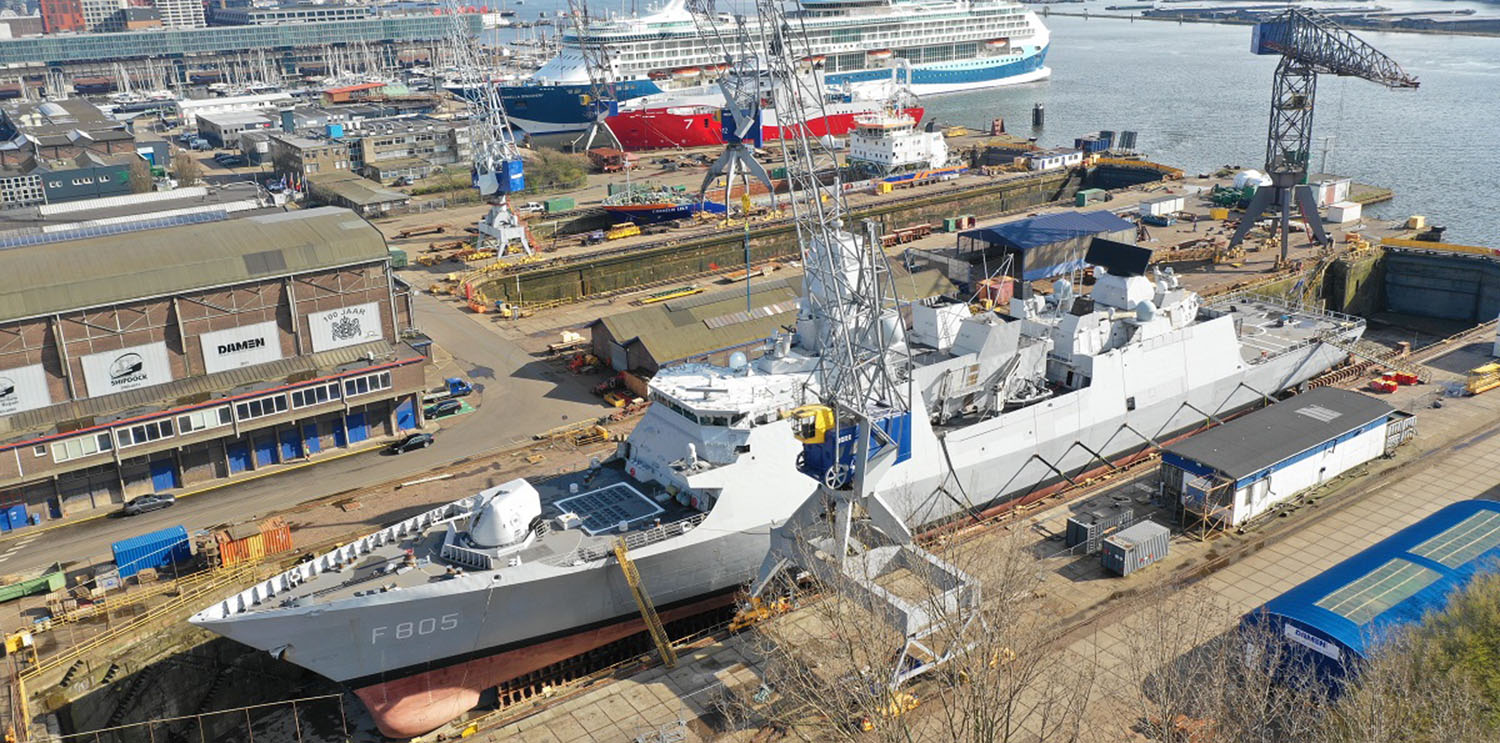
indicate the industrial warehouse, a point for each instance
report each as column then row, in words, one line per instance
column 160, row 359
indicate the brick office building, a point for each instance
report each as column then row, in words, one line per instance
column 163, row 359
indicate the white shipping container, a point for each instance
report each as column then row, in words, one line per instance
column 1162, row 206
column 1343, row 212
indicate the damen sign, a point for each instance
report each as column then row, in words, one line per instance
column 347, row 326
column 126, row 369
column 239, row 347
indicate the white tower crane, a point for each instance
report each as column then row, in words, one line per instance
column 860, row 425
column 498, row 170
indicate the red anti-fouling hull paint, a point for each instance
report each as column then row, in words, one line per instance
column 422, row 702
column 698, row 126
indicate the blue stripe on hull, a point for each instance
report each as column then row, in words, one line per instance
column 562, row 105
column 952, row 73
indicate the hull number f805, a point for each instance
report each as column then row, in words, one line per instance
column 416, row 628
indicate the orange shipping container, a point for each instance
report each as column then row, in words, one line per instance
column 246, row 543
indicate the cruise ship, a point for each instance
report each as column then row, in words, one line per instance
column 423, row 616
column 937, row 46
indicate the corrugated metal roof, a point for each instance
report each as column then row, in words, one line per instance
column 1397, row 580
column 704, row 323
column 1250, row 444
column 1036, row 232
column 90, row 272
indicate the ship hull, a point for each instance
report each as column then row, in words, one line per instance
column 660, row 212
column 423, row 701
column 700, row 126
column 421, row 656
column 560, row 108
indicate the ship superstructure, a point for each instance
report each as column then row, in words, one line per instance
column 422, row 616
column 885, row 143
column 935, row 46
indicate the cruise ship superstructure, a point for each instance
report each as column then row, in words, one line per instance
column 934, row 46
column 422, row 616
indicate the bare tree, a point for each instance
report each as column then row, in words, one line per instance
column 139, row 175
column 826, row 667
column 186, row 170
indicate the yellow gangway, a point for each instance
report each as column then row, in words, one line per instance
column 643, row 602
column 1483, row 379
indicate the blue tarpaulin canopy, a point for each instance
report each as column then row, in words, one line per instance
column 1035, row 233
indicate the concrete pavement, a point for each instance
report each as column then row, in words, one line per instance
column 518, row 395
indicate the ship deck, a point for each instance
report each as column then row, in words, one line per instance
column 608, row 503
column 1268, row 328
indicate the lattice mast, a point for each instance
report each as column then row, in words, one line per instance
column 497, row 168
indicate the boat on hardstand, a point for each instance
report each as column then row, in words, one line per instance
column 938, row 46
column 648, row 205
column 419, row 618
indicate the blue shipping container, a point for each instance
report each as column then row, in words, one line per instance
column 158, row 549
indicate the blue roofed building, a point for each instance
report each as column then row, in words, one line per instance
column 1337, row 619
column 1043, row 246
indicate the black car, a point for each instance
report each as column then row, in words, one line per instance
column 440, row 409
column 412, row 443
column 147, row 503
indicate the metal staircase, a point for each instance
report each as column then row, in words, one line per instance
column 643, row 602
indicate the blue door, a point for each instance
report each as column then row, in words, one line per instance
column 340, row 433
column 291, row 445
column 239, row 456
column 265, row 451
column 163, row 475
column 406, row 415
column 310, row 440
column 358, row 431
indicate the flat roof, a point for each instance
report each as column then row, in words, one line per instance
column 1397, row 580
column 1047, row 229
column 1247, row 445
column 357, row 190
column 95, row 271
column 229, row 118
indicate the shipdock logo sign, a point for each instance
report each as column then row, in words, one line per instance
column 23, row 388
column 346, row 326
column 240, row 347
column 131, row 368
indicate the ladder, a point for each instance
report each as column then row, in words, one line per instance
column 643, row 602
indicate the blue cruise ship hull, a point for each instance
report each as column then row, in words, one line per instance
column 552, row 109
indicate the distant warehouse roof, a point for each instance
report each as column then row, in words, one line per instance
column 1343, row 612
column 1243, row 447
column 90, row 272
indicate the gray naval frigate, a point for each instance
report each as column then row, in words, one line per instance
column 422, row 616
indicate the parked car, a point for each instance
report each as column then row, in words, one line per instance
column 531, row 207
column 147, row 503
column 412, row 443
column 445, row 407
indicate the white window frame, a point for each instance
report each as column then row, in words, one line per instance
column 318, row 394
column 202, row 420
column 82, row 446
column 261, row 407
column 144, row 433
column 364, row 385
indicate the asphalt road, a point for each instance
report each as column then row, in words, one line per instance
column 517, row 396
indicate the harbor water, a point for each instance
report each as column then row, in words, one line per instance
column 1200, row 100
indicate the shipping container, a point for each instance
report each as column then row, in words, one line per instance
column 1088, row 196
column 560, row 204
column 244, row 543
column 1134, row 548
column 398, row 258
column 158, row 549
column 1343, row 212
column 1219, row 213
column 1090, row 527
column 1162, row 206
column 998, row 291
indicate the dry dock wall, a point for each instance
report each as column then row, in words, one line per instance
column 1449, row 286
column 670, row 260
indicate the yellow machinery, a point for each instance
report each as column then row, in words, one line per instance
column 643, row 602
column 619, row 231
column 1483, row 379
column 811, row 423
column 758, row 611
